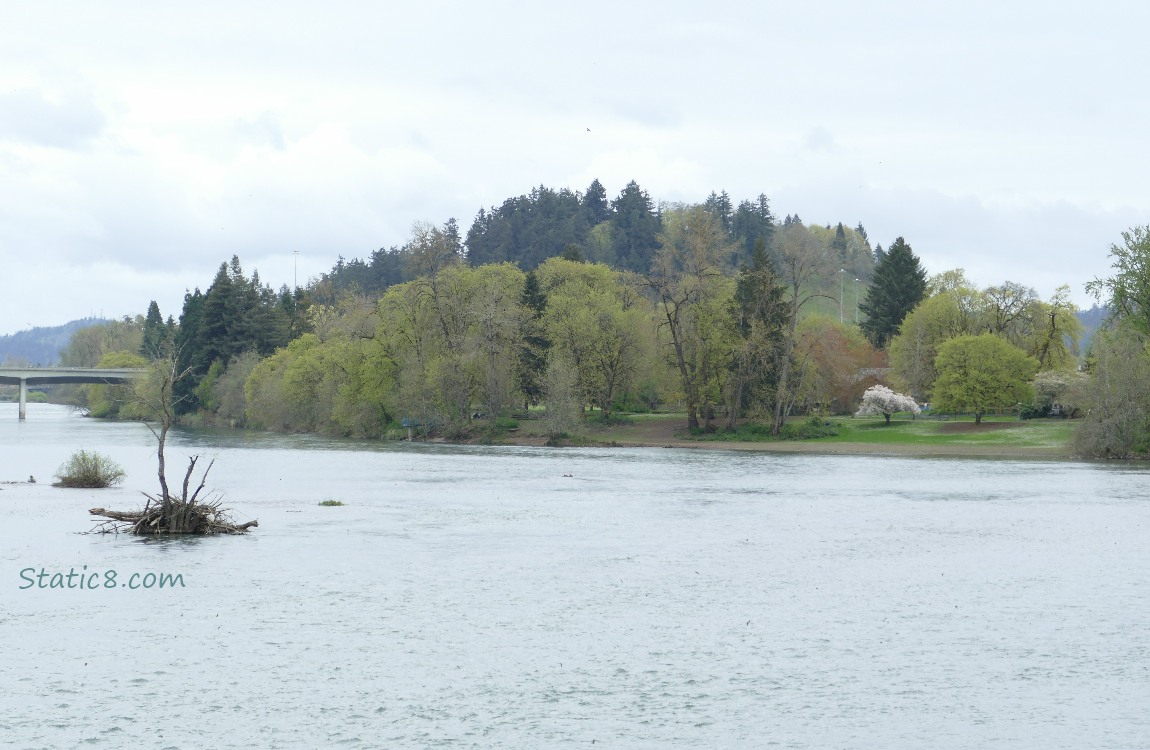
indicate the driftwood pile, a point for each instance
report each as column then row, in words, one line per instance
column 198, row 518
column 183, row 514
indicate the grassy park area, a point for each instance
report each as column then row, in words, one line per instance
column 996, row 436
column 1008, row 431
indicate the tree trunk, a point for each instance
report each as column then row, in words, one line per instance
column 687, row 372
column 689, row 385
column 785, row 369
column 733, row 404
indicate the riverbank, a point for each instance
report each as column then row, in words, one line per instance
column 1031, row 439
column 995, row 438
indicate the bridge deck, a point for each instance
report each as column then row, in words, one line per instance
column 43, row 375
column 25, row 376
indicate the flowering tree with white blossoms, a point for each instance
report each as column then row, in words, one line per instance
column 879, row 399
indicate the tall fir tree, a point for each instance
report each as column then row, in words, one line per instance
column 899, row 285
column 720, row 205
column 752, row 223
column 839, row 243
column 594, row 205
column 759, row 312
column 235, row 315
column 635, row 227
column 527, row 230
column 155, row 333
column 187, row 333
column 533, row 350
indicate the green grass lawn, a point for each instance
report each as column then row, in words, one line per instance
column 1052, row 434
column 1032, row 433
column 1005, row 431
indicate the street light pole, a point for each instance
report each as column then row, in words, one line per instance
column 295, row 270
column 841, row 272
column 856, row 302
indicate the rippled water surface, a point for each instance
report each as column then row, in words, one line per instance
column 478, row 597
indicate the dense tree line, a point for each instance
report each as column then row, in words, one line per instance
column 1047, row 331
column 619, row 305
column 457, row 345
column 622, row 233
column 235, row 316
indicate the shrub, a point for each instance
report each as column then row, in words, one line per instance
column 330, row 503
column 89, row 470
column 813, row 428
column 1034, row 410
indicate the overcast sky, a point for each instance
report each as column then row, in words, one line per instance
column 142, row 144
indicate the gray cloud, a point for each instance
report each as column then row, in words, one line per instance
column 1010, row 144
column 28, row 116
column 819, row 139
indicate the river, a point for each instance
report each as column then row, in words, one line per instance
column 476, row 597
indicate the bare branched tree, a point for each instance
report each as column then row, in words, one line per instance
column 803, row 259
column 167, row 513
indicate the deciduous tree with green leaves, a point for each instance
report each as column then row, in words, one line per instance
column 691, row 291
column 923, row 331
column 1127, row 292
column 980, row 373
column 1115, row 397
column 803, row 259
column 596, row 327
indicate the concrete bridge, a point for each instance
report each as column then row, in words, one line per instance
column 26, row 376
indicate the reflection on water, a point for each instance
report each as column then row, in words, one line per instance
column 477, row 597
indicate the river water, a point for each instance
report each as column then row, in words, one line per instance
column 472, row 597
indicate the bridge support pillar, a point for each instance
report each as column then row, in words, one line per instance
column 23, row 398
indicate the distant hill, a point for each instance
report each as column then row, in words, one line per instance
column 41, row 345
column 1091, row 320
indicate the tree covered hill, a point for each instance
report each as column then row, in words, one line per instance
column 555, row 287
column 1091, row 321
column 622, row 233
column 41, row 345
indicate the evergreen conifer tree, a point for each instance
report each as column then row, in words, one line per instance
column 155, row 333
column 595, row 207
column 635, row 227
column 533, row 351
column 899, row 285
column 839, row 243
